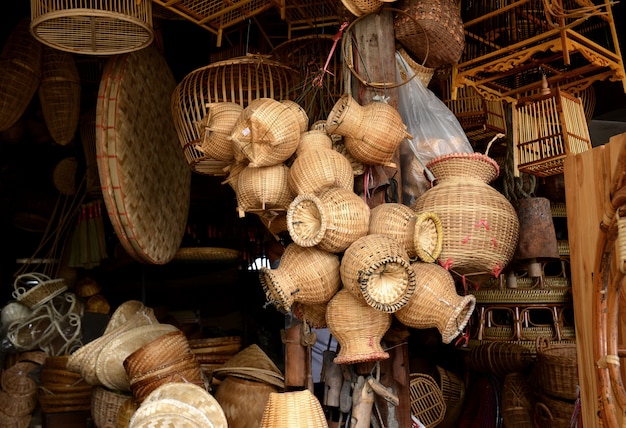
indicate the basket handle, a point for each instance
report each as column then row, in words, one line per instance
column 350, row 65
column 36, row 276
column 542, row 343
column 543, row 410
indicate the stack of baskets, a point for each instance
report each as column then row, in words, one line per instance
column 214, row 352
column 61, row 390
column 18, row 396
column 557, row 374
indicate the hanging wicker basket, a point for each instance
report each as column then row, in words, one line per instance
column 92, row 27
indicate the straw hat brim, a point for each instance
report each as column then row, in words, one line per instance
column 252, row 357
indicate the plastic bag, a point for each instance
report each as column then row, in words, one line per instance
column 435, row 130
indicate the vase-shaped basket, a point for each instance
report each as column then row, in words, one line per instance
column 314, row 170
column 215, row 129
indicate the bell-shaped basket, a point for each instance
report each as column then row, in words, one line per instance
column 376, row 270
column 264, row 188
column 315, row 170
column 313, row 140
column 307, row 275
column 436, row 303
column 215, row 129
column 358, row 328
column 331, row 220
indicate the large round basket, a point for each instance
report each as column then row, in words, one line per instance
column 480, row 226
column 296, row 408
column 92, row 27
column 20, row 71
column 358, row 328
column 377, row 271
column 239, row 80
column 243, row 400
column 558, row 368
column 331, row 220
column 439, row 38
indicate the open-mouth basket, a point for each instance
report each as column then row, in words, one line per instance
column 35, row 289
column 558, row 368
column 295, row 408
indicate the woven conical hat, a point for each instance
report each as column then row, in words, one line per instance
column 253, row 364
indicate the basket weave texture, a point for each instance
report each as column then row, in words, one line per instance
column 316, row 169
column 500, row 358
column 262, row 189
column 105, row 405
column 558, row 369
column 20, row 72
column 314, row 139
column 297, row 408
column 435, row 302
column 358, row 328
column 243, row 400
column 480, row 226
column 59, row 94
column 216, row 128
column 307, row 275
column 239, row 80
column 92, row 27
column 439, row 38
column 331, row 220
column 427, row 402
column 376, row 270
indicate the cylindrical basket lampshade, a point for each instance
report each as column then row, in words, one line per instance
column 358, row 328
column 306, row 274
column 435, row 303
column 92, row 27
column 376, row 270
column 331, row 221
column 314, row 170
column 293, row 409
column 267, row 133
column 420, row 234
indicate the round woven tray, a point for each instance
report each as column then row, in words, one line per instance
column 145, row 167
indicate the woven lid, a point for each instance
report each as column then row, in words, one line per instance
column 145, row 166
column 168, row 412
column 293, row 409
column 193, row 395
column 110, row 362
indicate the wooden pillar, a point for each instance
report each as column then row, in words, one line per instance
column 373, row 43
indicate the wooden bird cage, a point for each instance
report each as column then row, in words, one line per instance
column 574, row 42
column 480, row 118
column 92, row 27
column 548, row 128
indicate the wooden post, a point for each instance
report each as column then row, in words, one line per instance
column 374, row 52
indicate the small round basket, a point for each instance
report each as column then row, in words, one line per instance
column 35, row 289
column 314, row 139
column 19, row 379
column 330, row 220
column 358, row 328
column 92, row 28
column 18, row 405
column 376, row 270
column 162, row 350
column 558, row 368
column 289, row 409
column 427, row 402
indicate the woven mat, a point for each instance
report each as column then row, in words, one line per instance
column 149, row 177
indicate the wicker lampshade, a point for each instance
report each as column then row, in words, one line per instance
column 92, row 27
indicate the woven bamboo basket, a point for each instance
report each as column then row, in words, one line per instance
column 314, row 170
column 500, row 358
column 18, row 405
column 301, row 114
column 380, row 136
column 376, row 270
column 346, row 117
column 439, row 38
column 313, row 140
column 424, row 74
column 20, row 72
column 171, row 413
column 296, row 408
column 35, row 289
column 92, row 27
column 239, row 80
column 59, row 94
column 216, row 128
column 105, row 404
column 306, row 274
column 331, row 220
column 314, row 315
column 267, row 133
column 453, row 391
column 50, row 402
column 551, row 412
column 558, row 369
column 427, row 402
column 516, row 392
column 358, row 327
column 18, row 379
column 252, row 363
column 263, row 189
column 15, row 421
column 363, row 7
column 435, row 302
column 243, row 401
column 125, row 412
column 419, row 234
column 480, row 226
column 162, row 350
column 64, row 173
